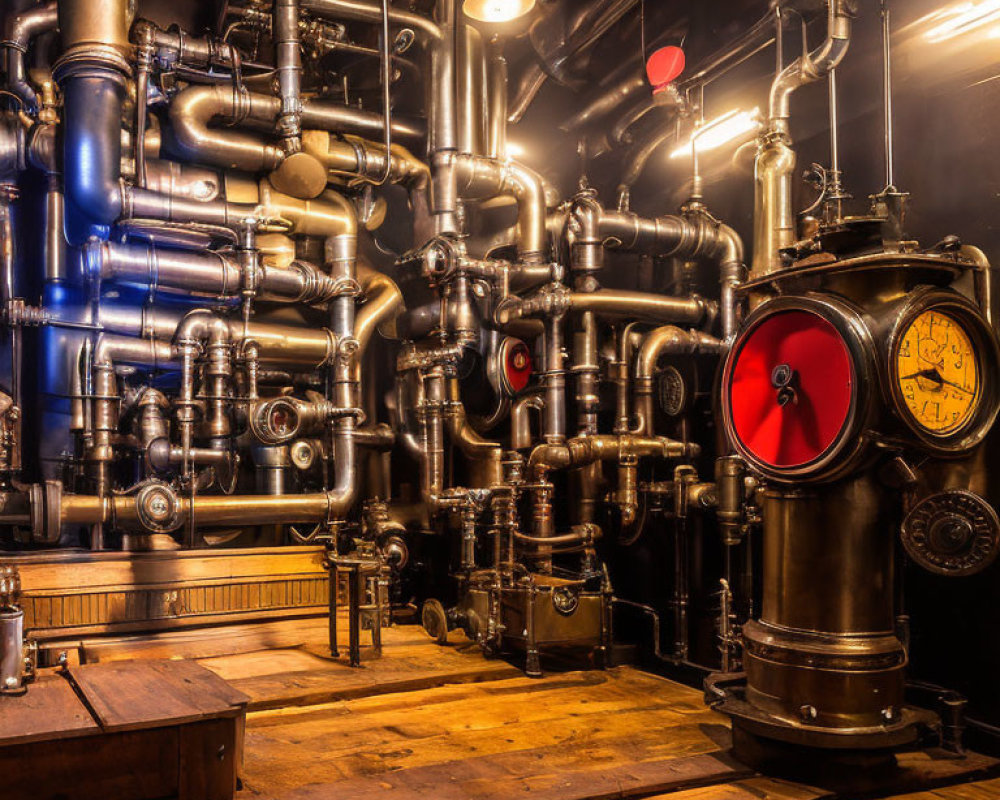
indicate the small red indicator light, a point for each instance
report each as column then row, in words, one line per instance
column 664, row 66
column 517, row 365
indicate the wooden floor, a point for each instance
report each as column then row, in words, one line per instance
column 428, row 721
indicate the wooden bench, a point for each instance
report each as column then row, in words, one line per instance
column 132, row 730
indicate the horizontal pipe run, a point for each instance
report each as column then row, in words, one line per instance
column 205, row 272
column 588, row 449
column 287, row 509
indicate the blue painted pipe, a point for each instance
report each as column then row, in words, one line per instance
column 92, row 152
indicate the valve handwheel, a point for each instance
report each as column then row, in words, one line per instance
column 791, row 389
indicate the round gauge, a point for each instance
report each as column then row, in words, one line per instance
column 673, row 392
column 938, row 373
column 794, row 387
column 276, row 421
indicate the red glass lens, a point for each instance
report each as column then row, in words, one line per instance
column 791, row 389
column 517, row 365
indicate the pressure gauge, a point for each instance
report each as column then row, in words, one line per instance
column 942, row 363
column 937, row 370
column 797, row 388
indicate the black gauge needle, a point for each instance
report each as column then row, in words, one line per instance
column 934, row 375
column 930, row 374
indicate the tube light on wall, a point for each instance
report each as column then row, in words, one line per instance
column 958, row 19
column 731, row 126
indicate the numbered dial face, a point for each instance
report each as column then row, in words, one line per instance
column 938, row 373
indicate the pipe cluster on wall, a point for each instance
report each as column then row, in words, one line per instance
column 213, row 344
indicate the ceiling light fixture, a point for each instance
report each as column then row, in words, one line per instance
column 497, row 11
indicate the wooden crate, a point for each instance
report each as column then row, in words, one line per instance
column 123, row 731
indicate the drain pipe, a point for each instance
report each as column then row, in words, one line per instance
column 774, row 220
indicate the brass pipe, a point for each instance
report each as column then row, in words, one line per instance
column 217, row 510
column 496, row 111
column 486, row 454
column 351, row 157
column 774, row 220
column 667, row 340
column 480, row 178
column 588, row 449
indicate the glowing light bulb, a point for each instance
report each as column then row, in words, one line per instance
column 497, row 11
column 515, row 150
column 729, row 127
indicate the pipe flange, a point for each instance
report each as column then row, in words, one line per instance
column 158, row 508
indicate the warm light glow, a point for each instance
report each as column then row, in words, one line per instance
column 497, row 11
column 515, row 150
column 960, row 18
column 729, row 127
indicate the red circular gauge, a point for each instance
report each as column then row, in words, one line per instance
column 791, row 389
column 516, row 365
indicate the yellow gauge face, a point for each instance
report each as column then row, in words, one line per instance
column 938, row 373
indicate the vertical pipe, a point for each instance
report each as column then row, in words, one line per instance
column 496, row 132
column 288, row 66
column 55, row 244
column 471, row 64
column 555, row 381
column 91, row 73
column 442, row 133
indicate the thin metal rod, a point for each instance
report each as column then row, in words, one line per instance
column 834, row 123
column 890, row 178
column 779, row 41
column 386, row 64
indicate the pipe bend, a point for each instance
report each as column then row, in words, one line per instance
column 810, row 67
column 195, row 107
column 383, row 305
column 528, row 189
column 480, row 177
column 198, row 327
column 111, row 349
column 19, row 30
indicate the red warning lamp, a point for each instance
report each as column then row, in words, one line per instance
column 516, row 365
column 664, row 67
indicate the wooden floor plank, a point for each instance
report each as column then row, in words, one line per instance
column 751, row 789
column 981, row 790
column 308, row 675
column 543, row 731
